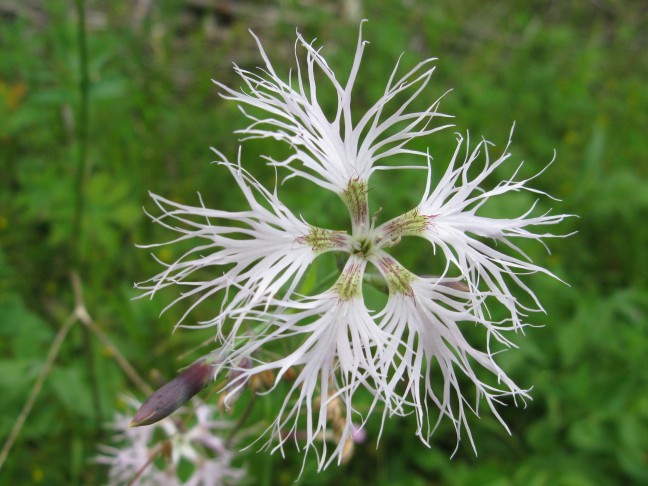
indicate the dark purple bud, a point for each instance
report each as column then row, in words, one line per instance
column 174, row 394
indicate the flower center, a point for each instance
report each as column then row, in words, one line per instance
column 362, row 246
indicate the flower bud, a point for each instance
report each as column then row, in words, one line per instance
column 174, row 394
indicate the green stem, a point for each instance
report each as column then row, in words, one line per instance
column 80, row 189
column 38, row 385
column 92, row 374
column 82, row 134
column 377, row 281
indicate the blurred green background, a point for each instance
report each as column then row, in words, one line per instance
column 572, row 75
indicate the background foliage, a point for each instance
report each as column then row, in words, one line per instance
column 571, row 74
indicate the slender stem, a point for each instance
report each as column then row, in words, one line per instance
column 89, row 323
column 38, row 385
column 82, row 133
column 121, row 361
column 80, row 313
column 80, row 189
column 377, row 281
column 92, row 374
column 184, row 355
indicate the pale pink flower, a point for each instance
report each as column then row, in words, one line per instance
column 137, row 451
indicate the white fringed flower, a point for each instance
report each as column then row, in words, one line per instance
column 334, row 151
column 424, row 316
column 138, row 454
column 409, row 357
column 265, row 248
column 335, row 339
column 447, row 218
